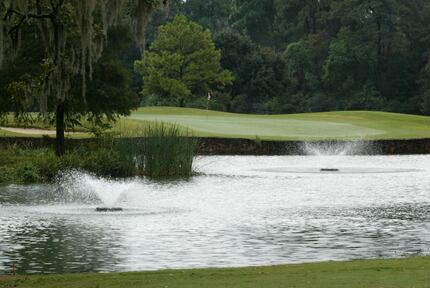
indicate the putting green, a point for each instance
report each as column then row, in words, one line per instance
column 362, row 125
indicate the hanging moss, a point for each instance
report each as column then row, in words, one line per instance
column 1, row 42
column 73, row 37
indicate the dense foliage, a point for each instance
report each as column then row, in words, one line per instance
column 181, row 65
column 319, row 55
column 155, row 151
column 285, row 56
column 66, row 39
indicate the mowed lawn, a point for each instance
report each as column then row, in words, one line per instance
column 405, row 273
column 362, row 125
column 347, row 125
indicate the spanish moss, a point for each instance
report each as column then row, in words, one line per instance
column 73, row 32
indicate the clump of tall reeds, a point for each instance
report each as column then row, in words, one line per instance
column 159, row 150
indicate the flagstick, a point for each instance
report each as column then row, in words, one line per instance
column 207, row 106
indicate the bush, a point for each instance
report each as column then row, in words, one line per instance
column 108, row 162
column 27, row 173
column 47, row 164
column 6, row 175
column 27, row 166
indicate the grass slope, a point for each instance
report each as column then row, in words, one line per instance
column 412, row 272
column 308, row 126
column 347, row 125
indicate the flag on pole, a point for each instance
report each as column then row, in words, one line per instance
column 209, row 100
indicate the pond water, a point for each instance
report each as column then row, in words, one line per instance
column 239, row 211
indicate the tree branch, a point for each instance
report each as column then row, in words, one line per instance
column 29, row 15
column 16, row 27
column 23, row 16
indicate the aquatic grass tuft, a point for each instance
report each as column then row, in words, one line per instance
column 159, row 150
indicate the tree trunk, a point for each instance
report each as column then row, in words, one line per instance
column 59, row 121
column 312, row 20
column 302, row 80
column 379, row 62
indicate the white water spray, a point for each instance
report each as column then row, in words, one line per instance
column 334, row 148
column 86, row 186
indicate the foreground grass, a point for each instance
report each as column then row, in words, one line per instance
column 412, row 272
column 347, row 125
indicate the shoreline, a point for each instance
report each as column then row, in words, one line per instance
column 403, row 272
column 256, row 147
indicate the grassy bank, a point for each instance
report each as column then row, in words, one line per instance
column 27, row 166
column 159, row 151
column 402, row 273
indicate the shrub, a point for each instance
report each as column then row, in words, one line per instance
column 6, row 175
column 108, row 162
column 26, row 173
column 47, row 164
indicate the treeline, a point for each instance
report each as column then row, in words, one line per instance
column 286, row 56
column 317, row 55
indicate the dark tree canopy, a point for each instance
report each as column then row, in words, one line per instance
column 71, row 36
column 182, row 65
column 319, row 55
column 286, row 55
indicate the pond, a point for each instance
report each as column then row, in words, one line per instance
column 239, row 211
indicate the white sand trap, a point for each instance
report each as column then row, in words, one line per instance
column 32, row 131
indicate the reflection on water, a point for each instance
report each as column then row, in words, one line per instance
column 241, row 211
column 57, row 246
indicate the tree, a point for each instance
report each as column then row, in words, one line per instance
column 298, row 18
column 298, row 62
column 241, row 56
column 256, row 19
column 161, row 17
column 286, row 55
column 259, row 72
column 182, row 65
column 73, row 35
column 111, row 91
column 424, row 81
column 211, row 14
column 386, row 30
column 24, row 68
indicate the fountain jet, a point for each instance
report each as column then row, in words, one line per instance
column 109, row 209
column 329, row 170
column 106, row 191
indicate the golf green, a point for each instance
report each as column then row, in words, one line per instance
column 361, row 125
column 345, row 125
